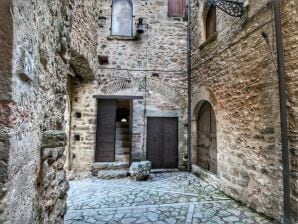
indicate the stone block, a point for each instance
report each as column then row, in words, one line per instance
column 140, row 170
column 53, row 139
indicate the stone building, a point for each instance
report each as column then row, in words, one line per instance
column 82, row 84
column 33, row 73
column 137, row 88
column 235, row 104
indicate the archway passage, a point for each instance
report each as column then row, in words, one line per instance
column 207, row 141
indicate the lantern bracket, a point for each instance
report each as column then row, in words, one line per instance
column 233, row 8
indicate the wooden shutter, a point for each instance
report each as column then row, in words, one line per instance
column 176, row 8
column 211, row 22
column 106, row 130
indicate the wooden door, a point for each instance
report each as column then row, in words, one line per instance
column 170, row 143
column 207, row 146
column 106, row 131
column 162, row 142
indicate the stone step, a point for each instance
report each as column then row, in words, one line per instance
column 122, row 137
column 122, row 150
column 110, row 166
column 122, row 125
column 122, row 131
column 122, row 158
column 122, row 144
column 112, row 174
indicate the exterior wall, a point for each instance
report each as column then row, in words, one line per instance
column 33, row 102
column 235, row 71
column 290, row 32
column 160, row 50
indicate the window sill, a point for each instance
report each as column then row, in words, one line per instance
column 122, row 38
column 211, row 39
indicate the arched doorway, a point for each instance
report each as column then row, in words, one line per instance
column 206, row 138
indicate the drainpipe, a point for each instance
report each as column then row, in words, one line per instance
column 283, row 113
column 189, row 87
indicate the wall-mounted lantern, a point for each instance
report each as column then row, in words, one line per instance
column 140, row 26
column 233, row 8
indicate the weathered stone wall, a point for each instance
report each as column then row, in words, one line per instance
column 290, row 35
column 235, row 71
column 161, row 51
column 35, row 87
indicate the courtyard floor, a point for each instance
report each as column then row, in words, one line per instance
column 163, row 198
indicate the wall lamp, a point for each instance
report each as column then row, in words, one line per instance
column 140, row 26
column 233, row 8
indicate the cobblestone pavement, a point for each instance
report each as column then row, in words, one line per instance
column 163, row 198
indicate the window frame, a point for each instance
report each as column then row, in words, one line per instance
column 132, row 20
column 207, row 22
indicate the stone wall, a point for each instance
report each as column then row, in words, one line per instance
column 33, row 92
column 290, row 32
column 235, row 70
column 159, row 55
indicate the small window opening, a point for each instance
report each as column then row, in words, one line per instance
column 78, row 115
column 210, row 22
column 103, row 60
column 155, row 75
column 77, row 137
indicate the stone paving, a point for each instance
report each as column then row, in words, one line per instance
column 163, row 198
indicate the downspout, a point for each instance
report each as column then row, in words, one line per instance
column 189, row 87
column 283, row 113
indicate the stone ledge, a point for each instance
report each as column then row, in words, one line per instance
column 53, row 139
column 133, row 38
column 211, row 39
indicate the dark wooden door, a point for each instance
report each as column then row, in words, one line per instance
column 106, row 131
column 207, row 146
column 162, row 142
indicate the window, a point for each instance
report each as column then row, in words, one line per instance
column 176, row 8
column 122, row 18
column 210, row 22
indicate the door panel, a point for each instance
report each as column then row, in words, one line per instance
column 154, row 140
column 207, row 146
column 170, row 143
column 106, row 130
column 162, row 142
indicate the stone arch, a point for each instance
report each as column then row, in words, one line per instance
column 151, row 84
column 202, row 95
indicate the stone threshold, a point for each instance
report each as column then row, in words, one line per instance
column 164, row 170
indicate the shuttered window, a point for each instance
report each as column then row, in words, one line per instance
column 176, row 8
column 211, row 22
column 122, row 13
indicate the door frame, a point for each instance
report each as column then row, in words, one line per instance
column 116, row 97
column 177, row 136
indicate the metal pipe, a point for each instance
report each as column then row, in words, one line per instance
column 283, row 113
column 189, row 87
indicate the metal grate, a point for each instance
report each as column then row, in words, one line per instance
column 233, row 8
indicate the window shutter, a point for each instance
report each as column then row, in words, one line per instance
column 176, row 8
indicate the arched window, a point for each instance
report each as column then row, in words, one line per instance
column 210, row 22
column 122, row 18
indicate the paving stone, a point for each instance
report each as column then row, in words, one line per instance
column 163, row 198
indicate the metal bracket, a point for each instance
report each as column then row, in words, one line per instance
column 233, row 8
